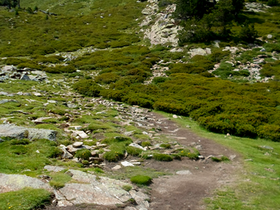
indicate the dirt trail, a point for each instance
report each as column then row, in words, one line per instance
column 183, row 192
column 180, row 192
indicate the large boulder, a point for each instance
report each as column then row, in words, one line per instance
column 18, row 132
column 14, row 182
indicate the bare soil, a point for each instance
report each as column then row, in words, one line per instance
column 184, row 192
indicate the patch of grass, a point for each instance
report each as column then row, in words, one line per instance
column 16, row 156
column 146, row 144
column 141, row 180
column 84, row 154
column 59, row 179
column 221, row 159
column 162, row 157
column 127, row 187
column 165, row 146
column 133, row 151
column 25, row 199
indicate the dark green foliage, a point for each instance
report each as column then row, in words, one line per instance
column 87, row 87
column 218, row 105
column 162, row 157
column 248, row 33
column 141, row 180
column 272, row 2
column 60, row 69
column 166, row 146
column 84, row 154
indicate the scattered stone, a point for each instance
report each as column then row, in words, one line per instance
column 78, row 144
column 267, row 147
column 232, row 157
column 137, row 146
column 140, row 198
column 3, row 101
column 184, row 172
column 54, row 168
column 41, row 120
column 81, row 134
column 66, row 154
column 117, row 167
column 126, row 164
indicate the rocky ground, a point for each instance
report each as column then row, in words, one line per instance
column 182, row 189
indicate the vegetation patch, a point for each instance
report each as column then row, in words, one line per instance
column 25, row 199
column 141, row 180
column 59, row 179
column 162, row 157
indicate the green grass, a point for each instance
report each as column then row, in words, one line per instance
column 25, row 199
column 59, row 179
column 16, row 156
column 257, row 187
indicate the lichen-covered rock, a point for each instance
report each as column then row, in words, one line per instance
column 18, row 132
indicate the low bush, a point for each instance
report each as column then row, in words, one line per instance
column 141, row 180
column 146, row 144
column 133, row 151
column 84, row 154
column 162, row 157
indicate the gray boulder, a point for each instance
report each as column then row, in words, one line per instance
column 18, row 132
column 13, row 182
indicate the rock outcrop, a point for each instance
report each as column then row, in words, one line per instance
column 18, row 132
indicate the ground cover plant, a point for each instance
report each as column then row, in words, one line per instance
column 25, row 199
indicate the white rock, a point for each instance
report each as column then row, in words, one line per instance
column 175, row 116
column 184, row 172
column 137, row 146
column 126, row 164
column 117, row 167
column 78, row 144
column 82, row 134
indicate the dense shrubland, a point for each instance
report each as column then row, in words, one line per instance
column 248, row 110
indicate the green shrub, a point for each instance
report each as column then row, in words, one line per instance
column 60, row 69
column 84, row 154
column 248, row 33
column 141, row 180
column 133, row 151
column 113, row 156
column 166, row 146
column 162, row 157
column 146, row 144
